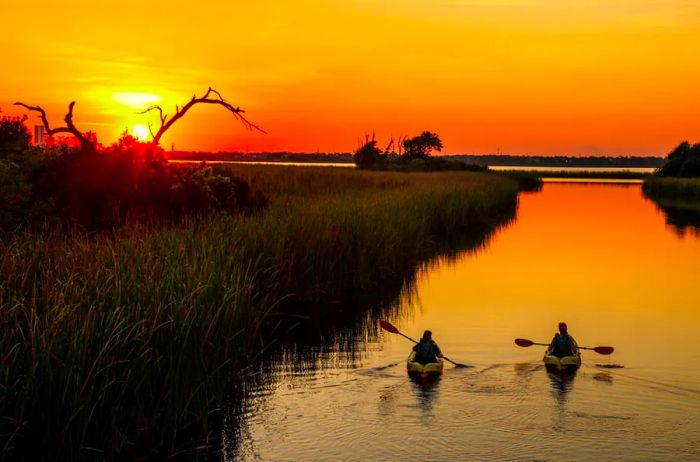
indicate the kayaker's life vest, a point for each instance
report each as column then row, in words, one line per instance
column 427, row 352
column 562, row 346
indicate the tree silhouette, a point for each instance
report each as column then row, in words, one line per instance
column 88, row 141
column 166, row 123
column 683, row 161
column 420, row 147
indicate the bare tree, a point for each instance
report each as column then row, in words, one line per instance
column 166, row 123
column 87, row 141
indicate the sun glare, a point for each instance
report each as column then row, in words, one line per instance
column 136, row 100
column 140, row 132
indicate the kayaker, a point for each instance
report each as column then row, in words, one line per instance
column 563, row 344
column 427, row 351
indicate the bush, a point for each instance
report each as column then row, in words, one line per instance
column 14, row 136
column 367, row 155
column 18, row 164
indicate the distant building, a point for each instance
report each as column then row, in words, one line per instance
column 39, row 135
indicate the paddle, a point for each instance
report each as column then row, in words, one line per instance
column 389, row 327
column 603, row 350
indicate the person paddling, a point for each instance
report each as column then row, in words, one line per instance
column 563, row 344
column 427, row 351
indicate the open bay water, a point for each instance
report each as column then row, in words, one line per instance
column 600, row 257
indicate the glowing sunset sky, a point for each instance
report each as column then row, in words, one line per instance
column 520, row 76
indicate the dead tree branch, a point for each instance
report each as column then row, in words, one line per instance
column 85, row 141
column 166, row 123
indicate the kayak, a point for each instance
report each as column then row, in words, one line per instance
column 563, row 364
column 420, row 371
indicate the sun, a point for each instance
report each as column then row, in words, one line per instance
column 140, row 132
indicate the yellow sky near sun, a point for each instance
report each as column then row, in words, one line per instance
column 537, row 76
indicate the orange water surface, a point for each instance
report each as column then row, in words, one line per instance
column 600, row 257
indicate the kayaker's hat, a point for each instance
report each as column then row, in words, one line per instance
column 562, row 327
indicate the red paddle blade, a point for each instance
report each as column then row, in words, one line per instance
column 386, row 325
column 523, row 342
column 604, row 350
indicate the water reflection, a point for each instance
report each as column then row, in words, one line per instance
column 605, row 377
column 682, row 219
column 561, row 384
column 426, row 392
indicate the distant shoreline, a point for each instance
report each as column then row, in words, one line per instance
column 492, row 160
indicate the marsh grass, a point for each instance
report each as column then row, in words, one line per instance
column 678, row 199
column 673, row 190
column 113, row 344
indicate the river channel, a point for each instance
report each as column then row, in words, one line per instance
column 599, row 256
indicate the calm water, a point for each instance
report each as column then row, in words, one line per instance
column 528, row 168
column 494, row 167
column 287, row 164
column 600, row 257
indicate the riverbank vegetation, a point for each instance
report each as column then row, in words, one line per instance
column 677, row 182
column 408, row 154
column 675, row 187
column 678, row 199
column 118, row 341
column 681, row 190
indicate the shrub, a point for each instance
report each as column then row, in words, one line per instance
column 14, row 136
column 367, row 155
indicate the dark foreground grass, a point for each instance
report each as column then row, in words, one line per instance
column 114, row 344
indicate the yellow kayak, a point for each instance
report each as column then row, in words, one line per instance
column 563, row 364
column 420, row 371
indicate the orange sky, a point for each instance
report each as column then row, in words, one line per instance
column 520, row 76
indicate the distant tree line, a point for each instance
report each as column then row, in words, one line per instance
column 281, row 156
column 559, row 161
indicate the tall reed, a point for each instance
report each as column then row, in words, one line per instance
column 670, row 189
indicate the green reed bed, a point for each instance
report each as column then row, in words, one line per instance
column 110, row 343
column 678, row 191
column 113, row 344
